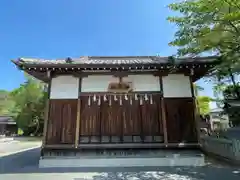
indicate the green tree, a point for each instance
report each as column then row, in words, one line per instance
column 28, row 109
column 232, row 103
column 203, row 104
column 209, row 26
column 6, row 103
column 3, row 101
column 206, row 25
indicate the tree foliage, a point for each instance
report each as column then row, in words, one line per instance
column 204, row 104
column 3, row 101
column 233, row 111
column 26, row 104
column 206, row 25
column 230, row 91
column 209, row 26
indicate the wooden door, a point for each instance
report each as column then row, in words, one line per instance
column 180, row 120
column 120, row 116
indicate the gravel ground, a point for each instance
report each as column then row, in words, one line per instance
column 24, row 166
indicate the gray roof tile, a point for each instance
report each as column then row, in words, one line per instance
column 114, row 60
column 6, row 120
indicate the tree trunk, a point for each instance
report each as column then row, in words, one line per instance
column 234, row 83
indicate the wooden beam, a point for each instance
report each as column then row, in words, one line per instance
column 195, row 107
column 115, row 73
column 46, row 118
column 130, row 93
column 68, row 73
column 163, row 113
column 165, row 134
column 78, row 115
column 161, row 73
column 120, row 74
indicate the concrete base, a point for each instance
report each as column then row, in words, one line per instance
column 176, row 160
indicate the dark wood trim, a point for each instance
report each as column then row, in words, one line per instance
column 192, row 86
column 164, row 121
column 196, row 112
column 61, row 73
column 163, row 113
column 82, row 66
column 129, row 93
column 45, row 128
column 63, row 99
column 178, row 98
column 59, row 146
column 161, row 73
column 119, row 73
column 115, row 73
column 40, row 72
column 78, row 114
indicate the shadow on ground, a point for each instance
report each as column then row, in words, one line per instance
column 27, row 162
column 167, row 173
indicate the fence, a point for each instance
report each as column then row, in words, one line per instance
column 225, row 148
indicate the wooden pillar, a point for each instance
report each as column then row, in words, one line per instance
column 196, row 112
column 78, row 114
column 163, row 113
column 46, row 116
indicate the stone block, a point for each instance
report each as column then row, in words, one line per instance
column 137, row 139
column 105, row 139
column 115, row 139
column 148, row 139
column 84, row 139
column 127, row 139
column 95, row 139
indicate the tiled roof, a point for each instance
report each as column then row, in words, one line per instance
column 114, row 60
column 6, row 120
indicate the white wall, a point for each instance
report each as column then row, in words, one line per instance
column 100, row 83
column 64, row 87
column 176, row 85
column 144, row 82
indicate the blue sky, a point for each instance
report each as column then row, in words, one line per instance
column 63, row 28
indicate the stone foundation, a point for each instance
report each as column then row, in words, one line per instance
column 125, row 159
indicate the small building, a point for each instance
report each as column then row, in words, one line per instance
column 219, row 120
column 7, row 126
column 99, row 104
column 232, row 107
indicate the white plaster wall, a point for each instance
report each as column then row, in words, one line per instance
column 144, row 82
column 96, row 83
column 176, row 85
column 64, row 87
column 100, row 83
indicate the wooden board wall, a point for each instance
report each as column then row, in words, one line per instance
column 62, row 121
column 180, row 120
column 120, row 120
